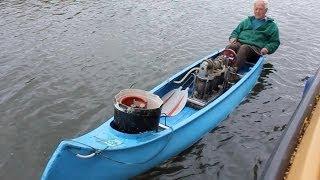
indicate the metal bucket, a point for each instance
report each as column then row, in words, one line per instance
column 136, row 111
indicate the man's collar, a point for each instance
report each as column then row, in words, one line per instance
column 266, row 18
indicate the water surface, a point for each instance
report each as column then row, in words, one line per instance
column 61, row 63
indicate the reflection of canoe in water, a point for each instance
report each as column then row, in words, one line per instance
column 106, row 153
column 304, row 130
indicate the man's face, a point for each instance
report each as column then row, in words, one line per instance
column 259, row 10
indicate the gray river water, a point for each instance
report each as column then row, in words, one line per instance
column 62, row 62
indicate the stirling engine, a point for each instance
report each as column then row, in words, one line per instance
column 212, row 78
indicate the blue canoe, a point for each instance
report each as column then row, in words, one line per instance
column 106, row 153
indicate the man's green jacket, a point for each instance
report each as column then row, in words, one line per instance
column 265, row 36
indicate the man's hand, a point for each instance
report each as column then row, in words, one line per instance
column 232, row 40
column 264, row 51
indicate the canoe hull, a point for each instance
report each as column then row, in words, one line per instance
column 123, row 163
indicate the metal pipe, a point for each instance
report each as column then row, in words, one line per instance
column 185, row 76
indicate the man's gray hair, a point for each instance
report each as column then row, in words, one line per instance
column 265, row 2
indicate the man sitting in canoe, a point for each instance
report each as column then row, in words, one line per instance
column 255, row 36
